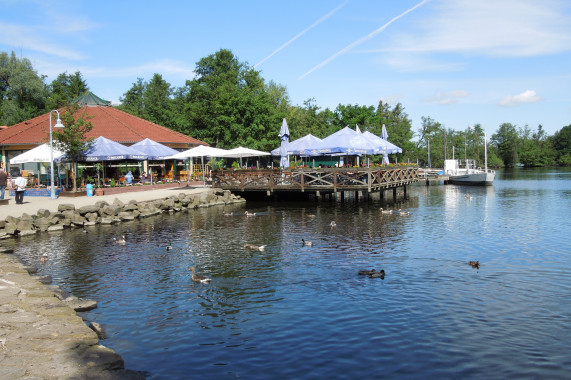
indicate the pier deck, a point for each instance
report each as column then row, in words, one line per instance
column 325, row 180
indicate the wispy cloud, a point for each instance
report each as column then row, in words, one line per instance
column 303, row 32
column 145, row 70
column 528, row 96
column 31, row 38
column 449, row 97
column 362, row 40
column 507, row 28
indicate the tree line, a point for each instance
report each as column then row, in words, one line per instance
column 228, row 104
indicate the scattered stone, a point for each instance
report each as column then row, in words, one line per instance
column 79, row 304
column 27, row 232
column 31, row 269
column 44, row 279
column 99, row 330
column 59, row 293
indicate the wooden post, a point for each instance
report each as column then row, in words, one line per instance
column 394, row 193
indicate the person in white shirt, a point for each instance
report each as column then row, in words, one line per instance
column 20, row 184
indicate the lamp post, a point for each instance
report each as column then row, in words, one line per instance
column 58, row 125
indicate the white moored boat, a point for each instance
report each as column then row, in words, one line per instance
column 469, row 174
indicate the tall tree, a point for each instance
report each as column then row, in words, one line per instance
column 133, row 101
column 158, row 102
column 226, row 104
column 71, row 139
column 65, row 88
column 431, row 133
column 506, row 142
column 22, row 91
column 562, row 144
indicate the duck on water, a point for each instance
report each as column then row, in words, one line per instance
column 198, row 278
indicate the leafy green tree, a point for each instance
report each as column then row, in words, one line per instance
column 506, row 142
column 353, row 115
column 22, row 91
column 226, row 104
column 152, row 101
column 71, row 139
column 399, row 129
column 65, row 88
column 431, row 133
column 158, row 102
column 133, row 100
column 562, row 145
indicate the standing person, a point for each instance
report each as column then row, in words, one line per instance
column 20, row 184
column 129, row 178
column 3, row 182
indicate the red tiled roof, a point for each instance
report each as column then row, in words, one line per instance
column 108, row 122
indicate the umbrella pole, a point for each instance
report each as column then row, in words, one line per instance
column 203, row 179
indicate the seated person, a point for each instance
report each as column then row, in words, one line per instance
column 129, row 178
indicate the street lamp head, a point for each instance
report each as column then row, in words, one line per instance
column 58, row 123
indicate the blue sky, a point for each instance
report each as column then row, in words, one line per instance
column 460, row 62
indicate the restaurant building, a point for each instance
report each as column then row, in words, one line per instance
column 107, row 121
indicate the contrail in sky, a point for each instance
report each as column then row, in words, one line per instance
column 303, row 32
column 360, row 41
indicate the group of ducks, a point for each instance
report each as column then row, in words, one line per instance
column 399, row 211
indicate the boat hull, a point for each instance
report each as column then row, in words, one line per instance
column 473, row 179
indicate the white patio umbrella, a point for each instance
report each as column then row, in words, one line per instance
column 40, row 153
column 199, row 151
column 244, row 152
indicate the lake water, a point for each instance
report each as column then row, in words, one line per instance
column 304, row 313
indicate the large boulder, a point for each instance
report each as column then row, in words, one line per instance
column 42, row 224
column 117, row 202
column 130, row 207
column 126, row 216
column 43, row 213
column 111, row 210
column 77, row 220
column 65, row 207
column 88, row 209
column 101, row 204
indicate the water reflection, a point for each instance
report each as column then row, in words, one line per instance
column 303, row 312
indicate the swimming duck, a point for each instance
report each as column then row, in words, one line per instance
column 84, row 230
column 254, row 247
column 121, row 240
column 333, row 224
column 401, row 212
column 365, row 272
column 386, row 211
column 250, row 213
column 307, row 243
column 227, row 214
column 474, row 264
column 198, row 278
column 467, row 196
column 380, row 274
column 169, row 246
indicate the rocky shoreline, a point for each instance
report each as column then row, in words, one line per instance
column 102, row 212
column 41, row 335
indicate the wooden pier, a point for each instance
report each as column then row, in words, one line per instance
column 431, row 175
column 317, row 181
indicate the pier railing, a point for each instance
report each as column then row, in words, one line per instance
column 314, row 179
